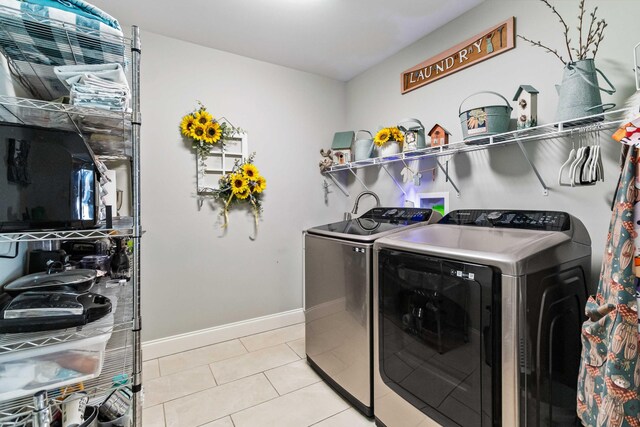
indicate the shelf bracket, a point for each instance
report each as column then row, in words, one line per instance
column 394, row 180
column 340, row 186
column 545, row 189
column 359, row 180
column 447, row 177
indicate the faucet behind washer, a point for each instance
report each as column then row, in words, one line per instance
column 354, row 211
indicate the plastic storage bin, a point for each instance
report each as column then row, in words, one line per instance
column 24, row 372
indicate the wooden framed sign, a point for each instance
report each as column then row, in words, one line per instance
column 489, row 43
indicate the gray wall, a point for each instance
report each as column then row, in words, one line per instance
column 193, row 277
column 500, row 178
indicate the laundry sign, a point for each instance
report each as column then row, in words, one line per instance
column 485, row 45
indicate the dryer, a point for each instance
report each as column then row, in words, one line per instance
column 338, row 292
column 477, row 320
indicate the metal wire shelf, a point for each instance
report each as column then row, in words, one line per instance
column 33, row 44
column 107, row 132
column 120, row 320
column 114, row 158
column 116, row 374
column 123, row 228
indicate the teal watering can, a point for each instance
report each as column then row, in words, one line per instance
column 579, row 93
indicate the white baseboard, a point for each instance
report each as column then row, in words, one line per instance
column 183, row 342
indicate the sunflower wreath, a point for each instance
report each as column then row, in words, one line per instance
column 205, row 131
column 243, row 185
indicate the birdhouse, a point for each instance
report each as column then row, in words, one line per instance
column 527, row 106
column 439, row 136
column 341, row 147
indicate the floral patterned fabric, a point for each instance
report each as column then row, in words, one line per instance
column 609, row 378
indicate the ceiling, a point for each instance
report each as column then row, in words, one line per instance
column 333, row 38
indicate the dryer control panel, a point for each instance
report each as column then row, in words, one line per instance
column 394, row 215
column 530, row 220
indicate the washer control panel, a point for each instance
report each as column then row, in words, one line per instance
column 530, row 220
column 398, row 214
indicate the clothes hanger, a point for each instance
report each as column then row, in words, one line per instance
column 576, row 161
column 593, row 166
column 584, row 160
column 583, row 168
column 570, row 159
column 600, row 163
column 585, row 175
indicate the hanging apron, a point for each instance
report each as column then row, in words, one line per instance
column 609, row 371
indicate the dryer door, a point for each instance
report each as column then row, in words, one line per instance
column 438, row 334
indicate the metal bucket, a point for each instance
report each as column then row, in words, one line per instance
column 480, row 123
column 413, row 134
column 363, row 147
column 579, row 93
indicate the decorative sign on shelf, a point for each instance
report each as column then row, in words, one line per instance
column 485, row 45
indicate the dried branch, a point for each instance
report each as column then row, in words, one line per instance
column 580, row 50
column 554, row 51
column 593, row 37
column 566, row 28
column 590, row 33
column 599, row 36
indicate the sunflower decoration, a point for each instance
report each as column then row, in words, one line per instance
column 205, row 131
column 390, row 134
column 243, row 185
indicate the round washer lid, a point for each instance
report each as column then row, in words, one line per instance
column 79, row 280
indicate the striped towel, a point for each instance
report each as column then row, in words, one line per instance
column 34, row 33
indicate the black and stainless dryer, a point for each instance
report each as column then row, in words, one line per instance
column 477, row 320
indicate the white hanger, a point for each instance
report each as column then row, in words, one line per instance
column 576, row 162
column 572, row 156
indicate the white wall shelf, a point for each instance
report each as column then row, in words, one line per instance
column 604, row 121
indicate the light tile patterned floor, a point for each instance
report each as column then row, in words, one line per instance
column 261, row 380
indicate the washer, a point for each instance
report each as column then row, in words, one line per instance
column 338, row 283
column 477, row 320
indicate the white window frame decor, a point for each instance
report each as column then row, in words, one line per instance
column 220, row 161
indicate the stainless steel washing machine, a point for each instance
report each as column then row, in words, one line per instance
column 338, row 291
column 477, row 320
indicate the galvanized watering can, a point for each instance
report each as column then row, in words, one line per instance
column 363, row 147
column 579, row 93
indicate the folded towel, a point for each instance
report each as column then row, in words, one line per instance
column 79, row 7
column 110, row 72
column 89, row 40
column 98, row 86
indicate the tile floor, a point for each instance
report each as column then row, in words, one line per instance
column 257, row 381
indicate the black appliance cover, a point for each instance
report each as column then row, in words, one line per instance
column 48, row 179
column 44, row 311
